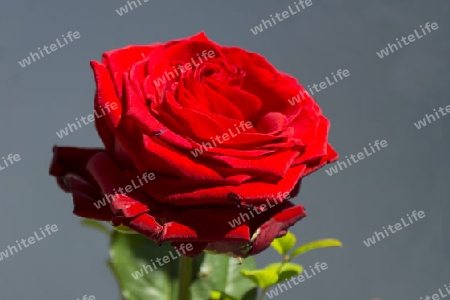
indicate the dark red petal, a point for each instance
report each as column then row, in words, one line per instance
column 128, row 206
column 84, row 196
column 146, row 225
column 72, row 160
column 276, row 226
column 110, row 179
column 184, row 194
column 196, row 224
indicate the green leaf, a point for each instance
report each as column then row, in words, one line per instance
column 215, row 295
column 262, row 278
column 124, row 229
column 221, row 273
column 287, row 271
column 97, row 225
column 325, row 243
column 250, row 295
column 129, row 253
column 284, row 243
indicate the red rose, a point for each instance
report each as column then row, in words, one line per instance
column 214, row 126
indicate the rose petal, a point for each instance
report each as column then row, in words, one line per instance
column 146, row 224
column 277, row 225
column 72, row 160
column 84, row 196
column 121, row 60
column 189, row 224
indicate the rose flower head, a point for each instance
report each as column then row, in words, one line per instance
column 202, row 146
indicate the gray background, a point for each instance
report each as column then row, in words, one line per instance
column 380, row 100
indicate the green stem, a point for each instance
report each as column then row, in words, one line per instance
column 185, row 277
column 286, row 259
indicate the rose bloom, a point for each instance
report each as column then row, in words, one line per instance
column 214, row 126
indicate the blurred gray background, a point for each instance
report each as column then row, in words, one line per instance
column 379, row 100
